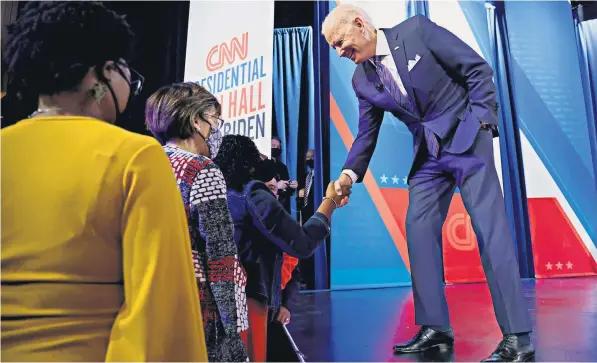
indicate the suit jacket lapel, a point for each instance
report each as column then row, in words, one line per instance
column 396, row 43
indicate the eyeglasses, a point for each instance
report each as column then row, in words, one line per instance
column 220, row 122
column 136, row 81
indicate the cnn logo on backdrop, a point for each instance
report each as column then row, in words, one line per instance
column 459, row 233
column 224, row 53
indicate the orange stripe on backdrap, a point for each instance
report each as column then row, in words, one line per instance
column 371, row 185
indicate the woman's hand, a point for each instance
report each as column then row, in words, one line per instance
column 341, row 200
column 283, row 315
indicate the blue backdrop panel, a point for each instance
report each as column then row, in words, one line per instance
column 586, row 36
column 363, row 253
column 549, row 99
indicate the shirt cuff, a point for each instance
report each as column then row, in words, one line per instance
column 353, row 176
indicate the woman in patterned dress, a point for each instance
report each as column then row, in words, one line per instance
column 185, row 118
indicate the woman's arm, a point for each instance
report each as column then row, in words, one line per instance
column 224, row 272
column 281, row 229
column 160, row 319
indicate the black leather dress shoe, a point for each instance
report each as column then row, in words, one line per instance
column 425, row 339
column 512, row 350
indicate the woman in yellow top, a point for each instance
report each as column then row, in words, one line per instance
column 96, row 258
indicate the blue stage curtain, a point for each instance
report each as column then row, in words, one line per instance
column 417, row 7
column 322, row 136
column 586, row 38
column 295, row 110
column 294, row 96
column 511, row 154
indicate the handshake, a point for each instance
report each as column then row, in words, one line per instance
column 339, row 190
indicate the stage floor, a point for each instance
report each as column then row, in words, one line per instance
column 363, row 325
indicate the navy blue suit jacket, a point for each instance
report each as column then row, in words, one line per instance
column 451, row 85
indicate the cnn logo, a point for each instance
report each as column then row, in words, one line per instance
column 459, row 232
column 222, row 54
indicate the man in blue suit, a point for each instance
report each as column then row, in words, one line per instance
column 443, row 91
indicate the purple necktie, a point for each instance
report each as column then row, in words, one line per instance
column 392, row 87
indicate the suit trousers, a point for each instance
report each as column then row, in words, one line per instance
column 431, row 188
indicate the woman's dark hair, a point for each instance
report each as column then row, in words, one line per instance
column 238, row 159
column 171, row 110
column 53, row 44
column 265, row 171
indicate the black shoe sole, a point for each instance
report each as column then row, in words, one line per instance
column 530, row 358
column 441, row 346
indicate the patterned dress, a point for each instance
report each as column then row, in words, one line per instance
column 220, row 275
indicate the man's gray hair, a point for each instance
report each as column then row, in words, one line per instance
column 343, row 14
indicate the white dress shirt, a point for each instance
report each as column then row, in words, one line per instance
column 382, row 49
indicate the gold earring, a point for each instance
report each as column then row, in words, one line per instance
column 98, row 91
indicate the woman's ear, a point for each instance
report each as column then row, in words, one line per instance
column 196, row 124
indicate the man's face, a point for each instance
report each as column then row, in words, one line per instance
column 310, row 155
column 353, row 41
column 275, row 144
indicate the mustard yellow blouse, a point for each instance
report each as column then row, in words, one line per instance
column 96, row 258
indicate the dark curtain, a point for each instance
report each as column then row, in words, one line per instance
column 9, row 14
column 160, row 50
column 11, row 109
column 510, row 149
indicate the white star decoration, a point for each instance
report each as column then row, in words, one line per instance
column 395, row 179
column 560, row 266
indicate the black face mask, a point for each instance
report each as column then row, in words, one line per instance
column 276, row 152
column 310, row 163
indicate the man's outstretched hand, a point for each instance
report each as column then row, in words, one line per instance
column 340, row 199
column 343, row 182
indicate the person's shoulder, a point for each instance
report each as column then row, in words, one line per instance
column 208, row 169
column 255, row 185
column 132, row 143
column 257, row 190
column 413, row 23
column 413, row 20
column 199, row 162
column 208, row 163
column 405, row 28
column 113, row 136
